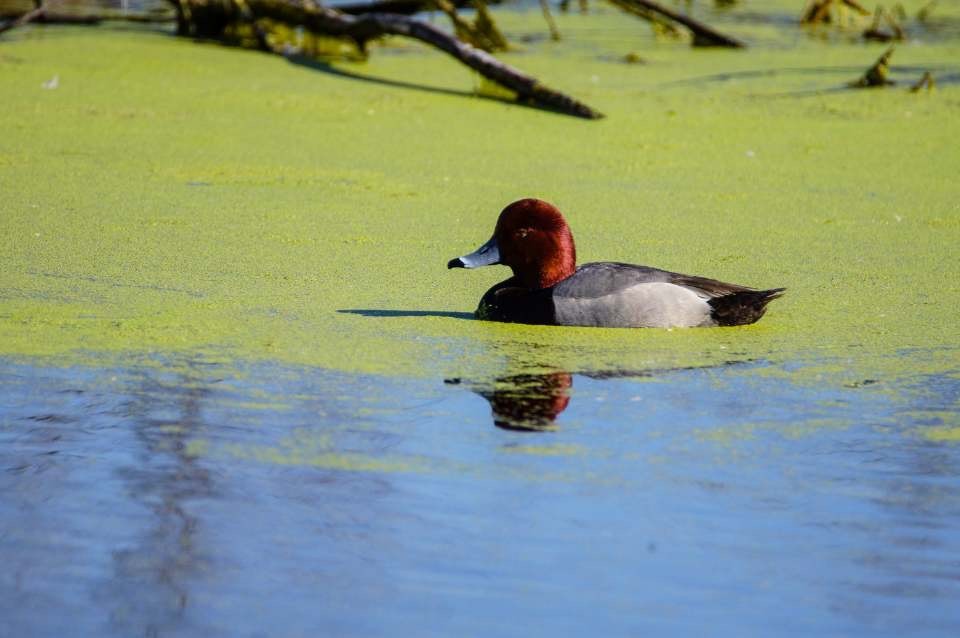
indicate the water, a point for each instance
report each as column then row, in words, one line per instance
column 178, row 497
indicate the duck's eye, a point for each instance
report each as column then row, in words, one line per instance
column 523, row 232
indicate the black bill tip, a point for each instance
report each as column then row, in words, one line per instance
column 456, row 263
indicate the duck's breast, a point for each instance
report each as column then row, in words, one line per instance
column 625, row 296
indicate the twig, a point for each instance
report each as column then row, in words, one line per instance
column 703, row 35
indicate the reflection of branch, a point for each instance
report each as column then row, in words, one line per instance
column 25, row 18
column 703, row 35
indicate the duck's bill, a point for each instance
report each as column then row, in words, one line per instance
column 486, row 255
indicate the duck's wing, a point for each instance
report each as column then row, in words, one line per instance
column 615, row 294
column 628, row 296
column 605, row 278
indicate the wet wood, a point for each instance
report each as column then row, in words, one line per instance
column 703, row 34
column 210, row 20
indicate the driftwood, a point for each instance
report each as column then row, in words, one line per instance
column 703, row 35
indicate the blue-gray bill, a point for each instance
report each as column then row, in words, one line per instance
column 486, row 255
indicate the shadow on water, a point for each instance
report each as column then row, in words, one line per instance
column 906, row 76
column 325, row 67
column 375, row 312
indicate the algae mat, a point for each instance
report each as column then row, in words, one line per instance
column 175, row 197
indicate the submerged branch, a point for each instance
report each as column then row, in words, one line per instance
column 703, row 35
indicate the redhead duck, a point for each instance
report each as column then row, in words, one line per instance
column 533, row 238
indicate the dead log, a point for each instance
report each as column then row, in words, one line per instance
column 703, row 35
column 213, row 19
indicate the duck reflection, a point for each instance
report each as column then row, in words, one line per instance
column 526, row 402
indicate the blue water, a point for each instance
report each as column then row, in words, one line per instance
column 194, row 498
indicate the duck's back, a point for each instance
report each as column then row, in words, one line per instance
column 619, row 295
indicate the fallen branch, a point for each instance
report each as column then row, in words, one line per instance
column 198, row 18
column 660, row 24
column 212, row 20
column 703, row 35
column 24, row 19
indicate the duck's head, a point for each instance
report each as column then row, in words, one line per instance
column 531, row 237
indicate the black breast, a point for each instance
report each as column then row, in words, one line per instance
column 509, row 302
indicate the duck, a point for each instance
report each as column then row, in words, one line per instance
column 532, row 237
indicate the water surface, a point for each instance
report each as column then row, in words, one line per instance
column 185, row 497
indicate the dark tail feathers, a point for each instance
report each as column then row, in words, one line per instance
column 742, row 307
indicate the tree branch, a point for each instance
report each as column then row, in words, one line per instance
column 703, row 35
column 365, row 27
